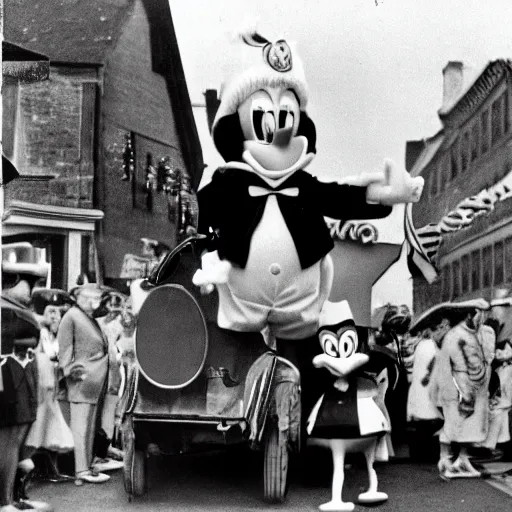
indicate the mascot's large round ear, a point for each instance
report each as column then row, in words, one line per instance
column 228, row 138
column 307, row 128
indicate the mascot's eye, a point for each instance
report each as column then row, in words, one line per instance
column 348, row 343
column 330, row 344
column 264, row 125
column 286, row 119
column 268, row 126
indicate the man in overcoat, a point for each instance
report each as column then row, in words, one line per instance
column 83, row 359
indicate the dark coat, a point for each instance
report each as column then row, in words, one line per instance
column 226, row 206
column 18, row 400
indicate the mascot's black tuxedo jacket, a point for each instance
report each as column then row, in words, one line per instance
column 226, row 207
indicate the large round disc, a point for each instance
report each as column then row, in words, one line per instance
column 172, row 338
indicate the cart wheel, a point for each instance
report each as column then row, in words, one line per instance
column 139, row 473
column 275, row 472
column 135, row 468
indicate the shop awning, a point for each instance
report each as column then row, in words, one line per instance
column 23, row 217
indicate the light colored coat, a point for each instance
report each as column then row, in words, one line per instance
column 83, row 345
column 460, row 385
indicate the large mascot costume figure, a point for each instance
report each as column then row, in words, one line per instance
column 264, row 214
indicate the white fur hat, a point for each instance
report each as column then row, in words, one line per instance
column 334, row 313
column 261, row 63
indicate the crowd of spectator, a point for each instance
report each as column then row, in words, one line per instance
column 64, row 358
column 456, row 359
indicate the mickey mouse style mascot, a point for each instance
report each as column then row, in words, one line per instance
column 264, row 214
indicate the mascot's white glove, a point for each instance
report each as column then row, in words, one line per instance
column 213, row 271
column 393, row 186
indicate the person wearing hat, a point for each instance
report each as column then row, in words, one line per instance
column 424, row 418
column 48, row 304
column 22, row 268
column 84, row 362
column 109, row 318
column 50, row 433
column 263, row 213
column 460, row 383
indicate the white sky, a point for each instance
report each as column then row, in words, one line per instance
column 374, row 71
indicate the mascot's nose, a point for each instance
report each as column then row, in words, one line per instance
column 282, row 137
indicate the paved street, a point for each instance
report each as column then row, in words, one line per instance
column 232, row 481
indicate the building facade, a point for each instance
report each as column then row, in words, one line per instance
column 93, row 143
column 468, row 157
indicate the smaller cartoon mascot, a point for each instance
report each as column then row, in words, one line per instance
column 347, row 417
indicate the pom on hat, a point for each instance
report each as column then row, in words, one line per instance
column 262, row 64
column 335, row 313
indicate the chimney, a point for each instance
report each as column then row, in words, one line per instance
column 453, row 81
column 212, row 104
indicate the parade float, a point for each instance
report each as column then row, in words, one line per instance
column 227, row 321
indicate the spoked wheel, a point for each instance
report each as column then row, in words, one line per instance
column 275, row 474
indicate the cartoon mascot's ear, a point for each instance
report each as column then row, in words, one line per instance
column 307, row 128
column 229, row 138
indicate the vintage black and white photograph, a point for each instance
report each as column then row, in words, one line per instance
column 256, row 256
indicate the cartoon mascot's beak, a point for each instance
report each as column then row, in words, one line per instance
column 341, row 366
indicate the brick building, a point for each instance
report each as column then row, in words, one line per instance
column 87, row 142
column 470, row 154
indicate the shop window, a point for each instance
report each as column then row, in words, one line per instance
column 465, row 274
column 487, row 266
column 446, row 288
column 454, row 159
column 465, row 150
column 508, row 260
column 475, row 271
column 499, row 269
column 484, row 131
column 475, row 132
column 496, row 120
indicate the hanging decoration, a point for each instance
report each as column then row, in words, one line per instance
column 128, row 158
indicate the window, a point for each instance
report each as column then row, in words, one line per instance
column 508, row 260
column 499, row 269
column 465, row 150
column 465, row 274
column 446, row 288
column 433, row 182
column 496, row 120
column 475, row 271
column 454, row 159
column 487, row 266
column 475, row 133
column 484, row 131
column 444, row 172
column 456, row 279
